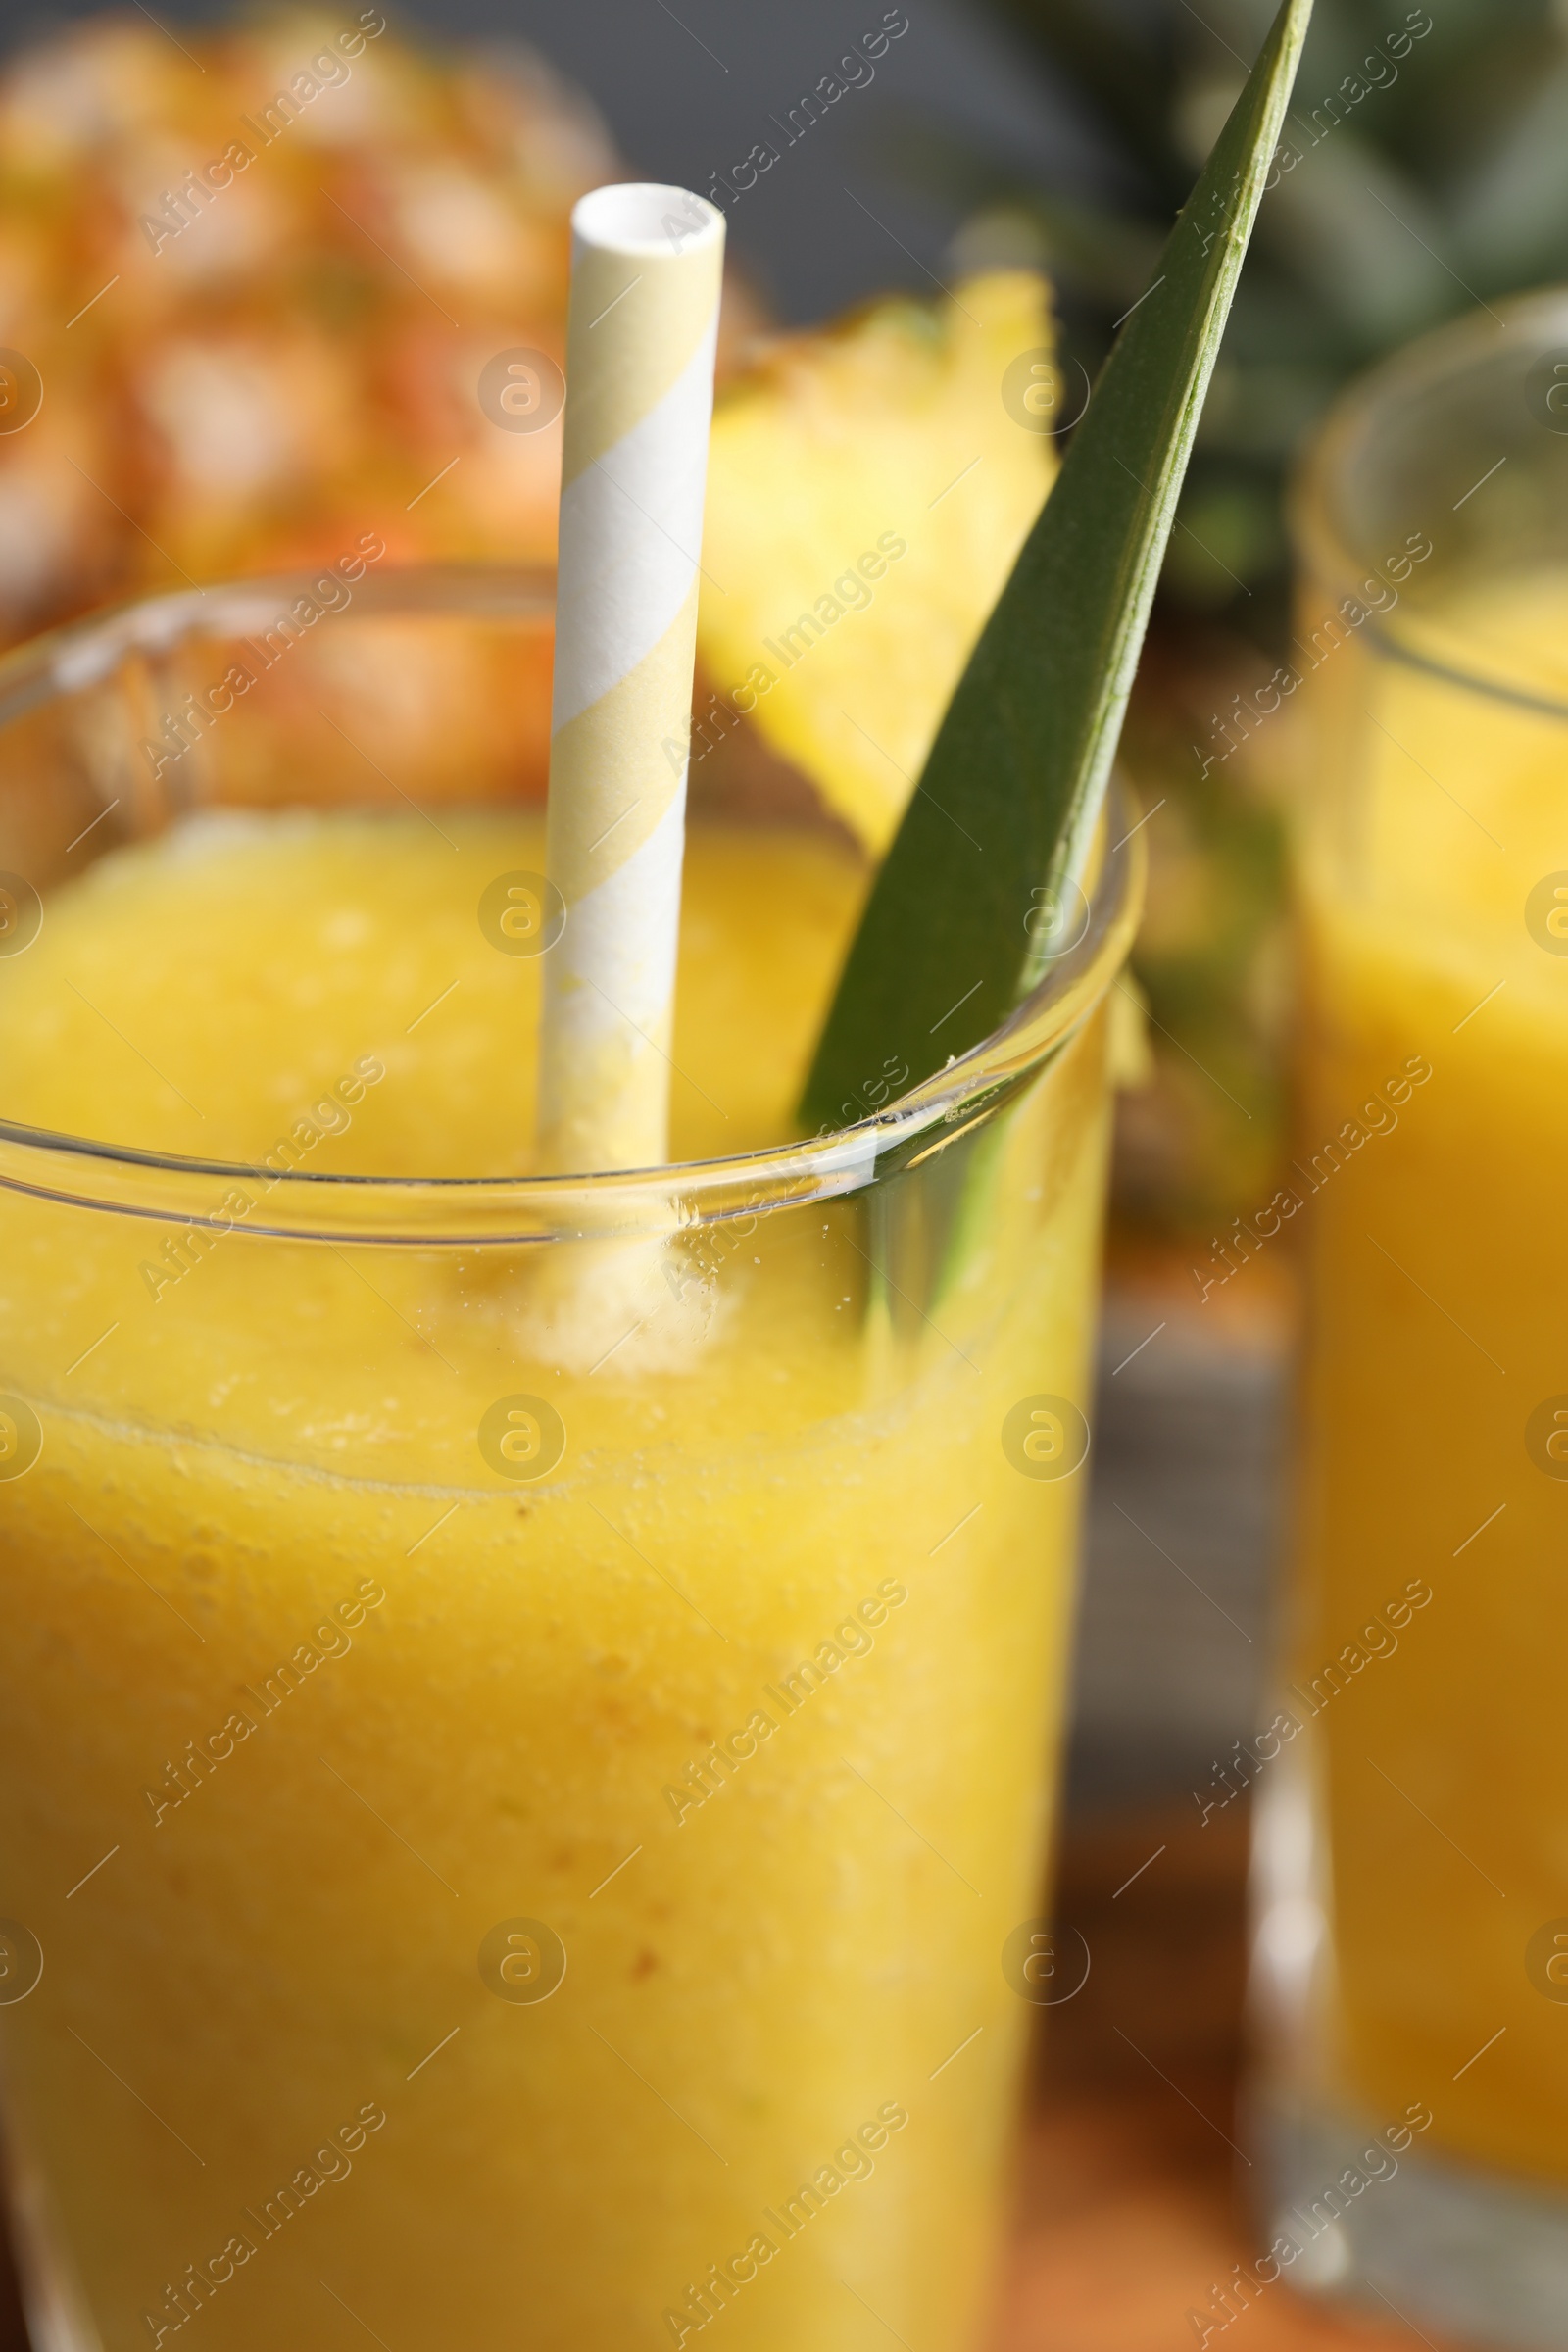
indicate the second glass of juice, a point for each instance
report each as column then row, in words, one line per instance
column 1412, row 1843
column 530, row 1707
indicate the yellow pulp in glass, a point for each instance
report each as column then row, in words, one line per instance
column 1437, row 1333
column 323, row 1739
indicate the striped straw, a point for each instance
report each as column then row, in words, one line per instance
column 641, row 333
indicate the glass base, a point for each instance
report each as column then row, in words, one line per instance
column 55, row 2308
column 1439, row 2242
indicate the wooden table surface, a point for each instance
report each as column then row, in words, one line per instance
column 1132, row 2202
column 1131, row 2207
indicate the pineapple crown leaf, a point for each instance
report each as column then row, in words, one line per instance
column 1006, row 804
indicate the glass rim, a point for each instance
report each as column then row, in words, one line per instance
column 1359, row 411
column 462, row 1211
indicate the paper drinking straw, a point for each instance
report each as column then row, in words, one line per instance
column 640, row 340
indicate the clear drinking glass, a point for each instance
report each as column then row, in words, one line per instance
column 530, row 1707
column 1413, row 1827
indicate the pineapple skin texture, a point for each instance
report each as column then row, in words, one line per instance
column 247, row 383
column 249, row 387
column 887, row 433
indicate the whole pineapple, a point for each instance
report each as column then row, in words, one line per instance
column 257, row 279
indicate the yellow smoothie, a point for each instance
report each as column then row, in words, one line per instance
column 538, row 1881
column 1437, row 1355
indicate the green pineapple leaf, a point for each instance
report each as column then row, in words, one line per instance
column 1001, row 820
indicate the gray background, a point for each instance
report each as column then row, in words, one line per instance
column 689, row 92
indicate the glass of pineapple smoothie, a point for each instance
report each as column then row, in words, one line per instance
column 1412, row 1848
column 528, row 1705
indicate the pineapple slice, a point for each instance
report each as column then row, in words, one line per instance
column 869, row 490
